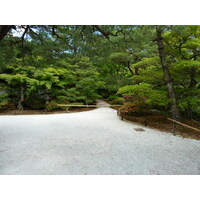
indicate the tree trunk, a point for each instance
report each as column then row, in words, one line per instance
column 46, row 96
column 4, row 29
column 137, row 67
column 193, row 82
column 129, row 67
column 21, row 101
column 189, row 112
column 137, row 70
column 162, row 55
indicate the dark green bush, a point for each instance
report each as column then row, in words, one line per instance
column 112, row 97
column 36, row 104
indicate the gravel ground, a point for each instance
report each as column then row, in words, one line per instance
column 91, row 142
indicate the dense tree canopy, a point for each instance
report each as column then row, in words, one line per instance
column 42, row 66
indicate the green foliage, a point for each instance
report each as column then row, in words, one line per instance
column 120, row 58
column 134, row 104
column 146, row 62
column 52, row 105
column 79, row 64
column 112, row 97
column 3, row 100
column 141, row 89
column 74, row 81
column 186, row 66
column 153, row 97
column 17, row 79
column 118, row 101
column 35, row 102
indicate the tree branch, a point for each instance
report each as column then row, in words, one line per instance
column 24, row 33
column 54, row 32
column 41, row 40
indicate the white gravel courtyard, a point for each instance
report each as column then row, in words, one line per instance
column 91, row 142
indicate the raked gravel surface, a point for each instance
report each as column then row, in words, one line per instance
column 91, row 142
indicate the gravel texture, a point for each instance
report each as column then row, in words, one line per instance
column 91, row 142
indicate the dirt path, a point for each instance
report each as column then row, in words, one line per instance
column 91, row 142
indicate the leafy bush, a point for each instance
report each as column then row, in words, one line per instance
column 152, row 96
column 139, row 99
column 112, row 97
column 52, row 105
column 133, row 104
column 141, row 89
column 131, row 108
column 62, row 100
column 3, row 101
column 120, row 57
column 35, row 102
column 118, row 101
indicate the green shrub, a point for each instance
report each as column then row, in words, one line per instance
column 130, row 108
column 133, row 104
column 153, row 97
column 62, row 100
column 112, row 97
column 3, row 101
column 35, row 103
column 52, row 105
column 118, row 101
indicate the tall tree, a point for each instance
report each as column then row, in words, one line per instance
column 167, row 75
